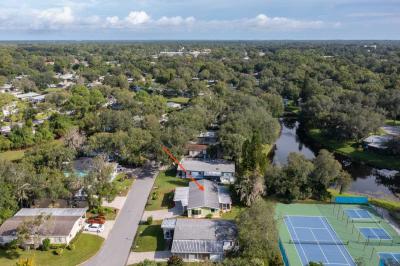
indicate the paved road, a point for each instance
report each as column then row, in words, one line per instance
column 117, row 247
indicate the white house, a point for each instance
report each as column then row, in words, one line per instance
column 61, row 227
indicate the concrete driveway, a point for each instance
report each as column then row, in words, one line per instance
column 107, row 229
column 116, row 249
column 137, row 257
column 162, row 214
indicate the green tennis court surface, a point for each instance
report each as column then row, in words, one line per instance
column 334, row 234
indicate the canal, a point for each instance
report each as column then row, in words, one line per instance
column 378, row 183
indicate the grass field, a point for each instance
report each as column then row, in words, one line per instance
column 163, row 190
column 351, row 150
column 347, row 231
column 149, row 238
column 12, row 155
column 181, row 100
column 86, row 246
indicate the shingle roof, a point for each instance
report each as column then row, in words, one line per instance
column 54, row 226
column 203, row 198
column 207, row 166
column 202, row 235
column 74, row 212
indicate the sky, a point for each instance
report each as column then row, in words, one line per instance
column 199, row 19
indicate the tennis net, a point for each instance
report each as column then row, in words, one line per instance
column 316, row 242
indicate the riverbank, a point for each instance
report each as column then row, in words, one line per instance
column 353, row 151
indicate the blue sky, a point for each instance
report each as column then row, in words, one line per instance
column 200, row 19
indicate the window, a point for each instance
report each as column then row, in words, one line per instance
column 196, row 212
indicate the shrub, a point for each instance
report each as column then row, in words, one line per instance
column 59, row 251
column 71, row 247
column 150, row 220
column 175, row 261
column 147, row 262
column 209, row 216
column 25, row 262
column 46, row 244
column 57, row 246
column 154, row 196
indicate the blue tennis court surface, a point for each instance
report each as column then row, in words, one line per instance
column 374, row 233
column 389, row 259
column 358, row 214
column 315, row 240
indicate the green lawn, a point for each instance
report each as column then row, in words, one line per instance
column 233, row 214
column 122, row 184
column 12, row 155
column 85, row 247
column 149, row 238
column 391, row 122
column 181, row 100
column 162, row 193
column 353, row 151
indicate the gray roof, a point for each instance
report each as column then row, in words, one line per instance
column 168, row 223
column 207, row 198
column 182, row 194
column 207, row 166
column 54, row 226
column 224, row 195
column 211, row 197
column 71, row 212
column 202, row 235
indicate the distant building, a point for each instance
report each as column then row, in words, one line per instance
column 196, row 150
column 208, row 138
column 219, row 170
column 174, row 105
column 377, row 142
column 213, row 200
column 200, row 239
column 60, row 228
column 31, row 96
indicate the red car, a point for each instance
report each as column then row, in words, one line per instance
column 96, row 220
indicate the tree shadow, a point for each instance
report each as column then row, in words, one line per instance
column 167, row 200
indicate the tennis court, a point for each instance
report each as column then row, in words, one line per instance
column 358, row 214
column 389, row 259
column 315, row 240
column 374, row 233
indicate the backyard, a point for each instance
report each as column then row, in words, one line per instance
column 86, row 246
column 162, row 194
column 351, row 150
column 149, row 238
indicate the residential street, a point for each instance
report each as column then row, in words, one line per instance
column 117, row 247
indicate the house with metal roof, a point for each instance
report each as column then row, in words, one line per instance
column 200, row 239
column 60, row 227
column 219, row 170
column 213, row 200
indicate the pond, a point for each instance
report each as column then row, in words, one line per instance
column 367, row 180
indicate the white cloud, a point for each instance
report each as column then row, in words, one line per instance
column 265, row 22
column 55, row 16
column 67, row 17
column 175, row 21
column 137, row 17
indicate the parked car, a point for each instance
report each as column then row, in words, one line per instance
column 94, row 228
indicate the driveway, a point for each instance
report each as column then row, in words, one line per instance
column 106, row 232
column 137, row 257
column 116, row 249
column 162, row 214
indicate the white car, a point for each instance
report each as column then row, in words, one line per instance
column 94, row 228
